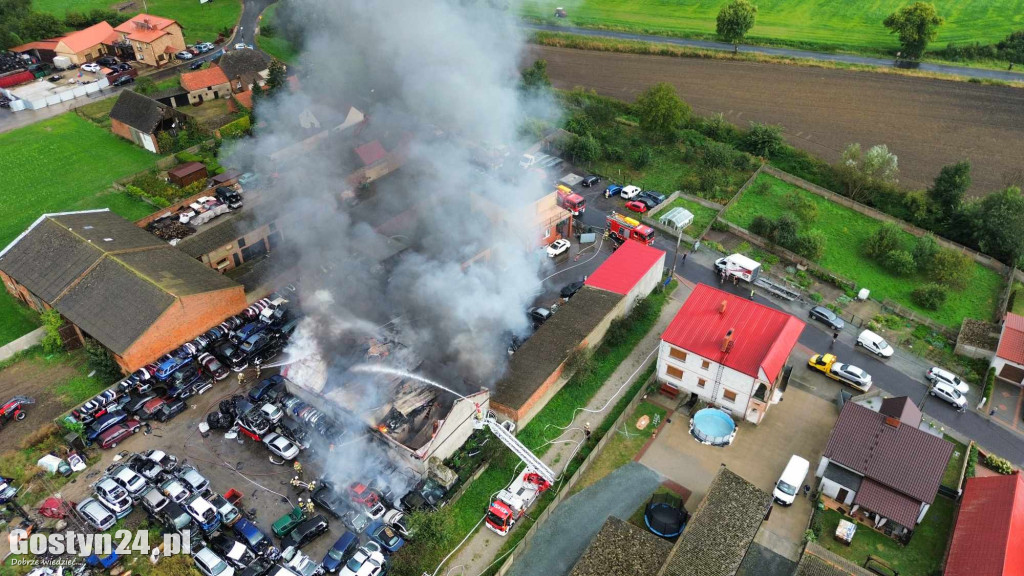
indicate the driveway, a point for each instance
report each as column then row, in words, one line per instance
column 800, row 424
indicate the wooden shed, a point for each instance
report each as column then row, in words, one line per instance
column 187, row 173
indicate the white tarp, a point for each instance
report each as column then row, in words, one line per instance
column 676, row 218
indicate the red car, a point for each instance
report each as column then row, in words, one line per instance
column 150, row 409
column 362, row 494
column 110, row 438
column 636, row 206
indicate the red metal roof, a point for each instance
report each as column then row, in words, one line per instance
column 1011, row 343
column 625, row 267
column 762, row 337
column 988, row 539
column 901, row 457
column 899, row 508
column 371, row 152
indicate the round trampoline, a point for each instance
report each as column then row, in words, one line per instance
column 713, row 426
column 665, row 515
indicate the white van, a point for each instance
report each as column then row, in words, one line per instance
column 791, row 480
column 875, row 343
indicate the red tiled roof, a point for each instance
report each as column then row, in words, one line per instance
column 88, row 37
column 371, row 152
column 988, row 539
column 762, row 337
column 903, row 458
column 899, row 508
column 244, row 99
column 625, row 267
column 201, row 79
column 1011, row 343
column 145, row 27
column 37, row 45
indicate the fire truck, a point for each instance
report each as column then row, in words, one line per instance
column 512, row 502
column 570, row 200
column 622, row 228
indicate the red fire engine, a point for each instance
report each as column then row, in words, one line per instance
column 512, row 503
column 570, row 200
column 623, row 228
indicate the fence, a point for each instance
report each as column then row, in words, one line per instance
column 567, row 489
column 831, row 196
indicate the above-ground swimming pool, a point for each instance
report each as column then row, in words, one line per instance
column 713, row 426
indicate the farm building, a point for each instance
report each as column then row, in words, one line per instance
column 729, row 351
column 187, row 173
column 116, row 283
column 633, row 271
column 245, row 69
column 231, row 240
column 149, row 39
column 78, row 47
column 208, row 84
column 141, row 119
column 1009, row 359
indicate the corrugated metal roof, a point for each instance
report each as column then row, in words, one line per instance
column 625, row 267
column 988, row 539
column 1011, row 342
column 899, row 508
column 762, row 337
column 903, row 458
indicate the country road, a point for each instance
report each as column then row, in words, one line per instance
column 927, row 123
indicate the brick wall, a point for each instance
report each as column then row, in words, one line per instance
column 187, row 318
column 121, row 129
column 21, row 293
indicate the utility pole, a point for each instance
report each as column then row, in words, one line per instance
column 679, row 240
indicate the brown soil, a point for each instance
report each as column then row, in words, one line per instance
column 35, row 378
column 927, row 123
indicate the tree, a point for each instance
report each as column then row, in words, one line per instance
column 276, row 76
column 145, row 85
column 661, row 112
column 763, row 139
column 929, row 296
column 998, row 224
column 916, row 25
column 884, row 240
column 858, row 171
column 946, row 196
column 535, row 78
column 641, row 157
column 735, row 19
column 39, row 25
column 924, row 250
column 951, row 268
column 584, row 148
column 899, row 262
column 52, row 322
column 716, row 155
column 11, row 14
column 811, row 244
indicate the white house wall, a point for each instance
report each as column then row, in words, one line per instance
column 742, row 384
column 646, row 284
column 831, row 489
column 998, row 364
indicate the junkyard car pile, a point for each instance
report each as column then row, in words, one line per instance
column 158, row 391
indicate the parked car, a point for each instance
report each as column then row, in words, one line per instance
column 356, row 521
column 629, row 192
column 826, row 317
column 570, row 290
column 104, row 423
column 386, row 536
column 558, row 247
column 185, row 55
column 170, row 409
column 193, row 480
column 258, row 567
column 636, row 206
column 113, row 497
column 196, row 65
column 268, row 389
column 174, row 517
column 875, row 344
column 281, row 446
column 111, row 437
column 828, row 365
column 538, row 315
column 168, row 462
column 241, row 46
column 150, row 409
column 342, row 549
column 305, row 532
column 213, row 367
column 612, row 190
column 328, row 499
column 145, row 467
column 285, row 524
column 123, row 80
column 255, row 539
column 205, row 46
column 655, row 197
column 204, row 514
column 949, row 393
column 126, row 478
column 397, row 520
column 136, row 404
column 228, row 353
column 175, row 490
column 91, row 67
column 122, row 67
column 936, row 374
column 368, row 560
column 107, row 61
column 590, row 181
column 96, row 514
column 153, row 501
column 231, row 550
column 272, row 412
column 303, row 565
column 228, row 512
column 209, row 564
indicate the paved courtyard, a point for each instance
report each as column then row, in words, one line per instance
column 800, row 424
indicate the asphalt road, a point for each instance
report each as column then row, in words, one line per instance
column 790, row 52
column 927, row 123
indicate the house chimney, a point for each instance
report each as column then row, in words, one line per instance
column 892, row 421
column 727, row 341
column 721, row 307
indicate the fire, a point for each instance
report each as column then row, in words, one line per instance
column 382, row 428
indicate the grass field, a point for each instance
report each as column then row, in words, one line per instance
column 951, row 476
column 846, row 231
column 922, row 556
column 200, row 22
column 626, row 444
column 851, row 25
column 275, row 45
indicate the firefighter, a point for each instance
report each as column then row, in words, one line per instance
column 241, row 379
column 309, row 507
column 586, row 430
column 298, row 469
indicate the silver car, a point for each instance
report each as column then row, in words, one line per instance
column 154, row 501
column 135, row 484
column 96, row 514
column 936, row 375
column 196, row 482
column 852, row 375
column 209, row 564
column 113, row 496
column 175, row 490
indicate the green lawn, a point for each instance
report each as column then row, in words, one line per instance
column 702, row 215
column 852, row 24
column 200, row 22
column 16, row 320
column 924, row 554
column 275, row 45
column 846, row 231
column 626, row 444
column 951, row 476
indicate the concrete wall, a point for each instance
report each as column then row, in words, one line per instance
column 743, row 385
column 831, row 489
column 646, row 285
column 223, row 257
column 187, row 318
column 456, row 428
column 209, row 93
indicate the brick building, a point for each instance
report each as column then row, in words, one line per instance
column 141, row 119
column 116, row 283
column 79, row 47
column 232, row 240
column 208, row 84
column 245, row 69
column 149, row 39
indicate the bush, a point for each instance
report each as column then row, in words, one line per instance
column 884, row 240
column 998, row 464
column 641, row 157
column 990, row 384
column 924, row 250
column 810, row 536
column 899, row 262
column 712, row 181
column 52, row 322
column 760, row 187
column 972, row 461
column 801, row 205
column 716, row 155
column 718, row 128
column 951, row 268
column 100, row 360
column 810, row 244
column 763, row 139
column 815, row 297
column 929, row 296
column 579, row 361
column 719, row 225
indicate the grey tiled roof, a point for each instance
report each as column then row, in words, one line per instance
column 622, row 549
column 720, row 531
column 843, row 476
column 243, row 63
column 817, row 561
column 140, row 112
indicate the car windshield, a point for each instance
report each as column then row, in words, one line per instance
column 882, row 344
column 786, row 488
column 354, row 564
column 335, row 553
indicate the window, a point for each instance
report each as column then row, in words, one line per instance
column 677, row 354
column 701, row 382
column 674, row 372
column 705, row 364
column 728, row 395
column 241, row 242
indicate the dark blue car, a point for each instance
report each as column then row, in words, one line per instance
column 340, row 552
column 386, row 536
column 265, row 387
column 104, row 422
column 168, row 365
column 255, row 539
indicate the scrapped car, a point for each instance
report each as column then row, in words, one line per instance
column 205, row 515
column 111, row 437
column 570, row 290
column 113, row 496
column 328, row 499
column 281, row 446
column 538, row 315
column 154, row 501
column 386, row 536
column 171, row 409
column 228, row 512
column 288, row 522
column 305, row 532
column 145, row 467
column 272, row 412
column 558, row 247
column 342, row 549
column 368, row 560
column 126, row 478
column 209, row 564
column 168, row 462
column 96, row 514
column 175, row 490
column 150, row 409
column 104, row 423
column 231, row 550
column 356, row 521
column 193, row 480
column 213, row 367
column 255, row 539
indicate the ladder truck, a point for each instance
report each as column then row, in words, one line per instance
column 512, row 503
